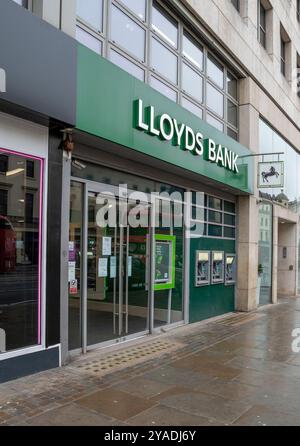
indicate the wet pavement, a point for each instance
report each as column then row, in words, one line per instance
column 235, row 370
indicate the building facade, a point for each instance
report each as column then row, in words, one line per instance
column 162, row 205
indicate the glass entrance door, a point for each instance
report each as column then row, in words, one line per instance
column 117, row 273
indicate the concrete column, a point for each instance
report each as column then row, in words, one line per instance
column 248, row 224
column 247, row 250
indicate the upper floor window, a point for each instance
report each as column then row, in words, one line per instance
column 153, row 44
column 298, row 74
column 283, row 56
column 91, row 12
column 285, row 52
column 262, row 24
column 236, row 4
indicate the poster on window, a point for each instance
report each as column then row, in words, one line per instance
column 271, row 174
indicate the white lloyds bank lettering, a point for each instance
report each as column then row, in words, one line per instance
column 179, row 134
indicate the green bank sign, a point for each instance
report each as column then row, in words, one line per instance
column 181, row 135
column 117, row 107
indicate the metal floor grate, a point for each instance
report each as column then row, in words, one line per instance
column 105, row 363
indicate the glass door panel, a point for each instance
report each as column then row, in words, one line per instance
column 117, row 284
column 102, row 277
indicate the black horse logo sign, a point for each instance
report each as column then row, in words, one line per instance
column 272, row 172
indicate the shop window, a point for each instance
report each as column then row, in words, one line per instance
column 229, row 207
column 199, row 213
column 229, row 232
column 215, row 203
column 164, row 25
column 127, row 33
column 137, row 7
column 198, row 229
column 229, row 219
column 20, row 253
column 214, row 231
column 91, row 11
column 214, row 217
column 199, row 198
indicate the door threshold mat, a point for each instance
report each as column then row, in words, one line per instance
column 104, row 363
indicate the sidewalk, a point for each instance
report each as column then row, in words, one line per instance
column 235, row 370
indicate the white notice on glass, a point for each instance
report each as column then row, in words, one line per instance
column 113, row 267
column 102, row 268
column 72, row 266
column 129, row 270
column 106, row 246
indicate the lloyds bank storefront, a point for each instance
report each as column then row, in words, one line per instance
column 150, row 221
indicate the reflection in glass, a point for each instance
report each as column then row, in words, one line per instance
column 232, row 85
column 128, row 66
column 127, row 33
column 193, row 52
column 192, row 82
column 215, row 71
column 165, row 26
column 164, row 61
column 91, row 11
column 20, row 235
column 136, row 6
